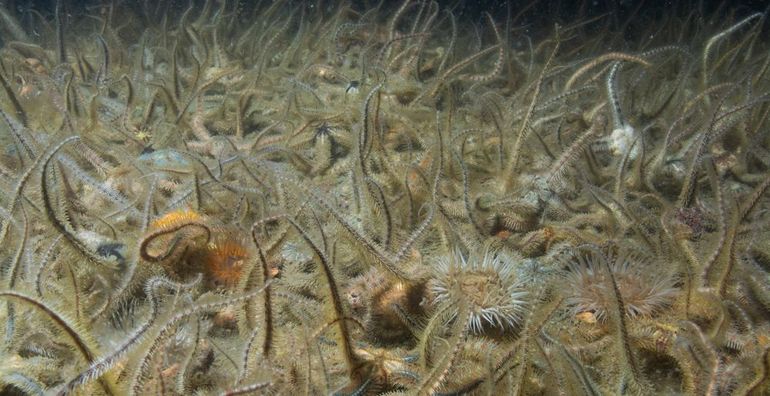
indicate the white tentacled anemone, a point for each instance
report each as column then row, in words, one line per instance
column 488, row 286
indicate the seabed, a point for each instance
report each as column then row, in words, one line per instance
column 384, row 198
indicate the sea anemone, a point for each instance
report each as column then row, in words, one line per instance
column 486, row 284
column 588, row 287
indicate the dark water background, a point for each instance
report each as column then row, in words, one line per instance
column 534, row 20
column 541, row 11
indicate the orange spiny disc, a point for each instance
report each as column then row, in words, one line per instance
column 175, row 218
column 224, row 261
